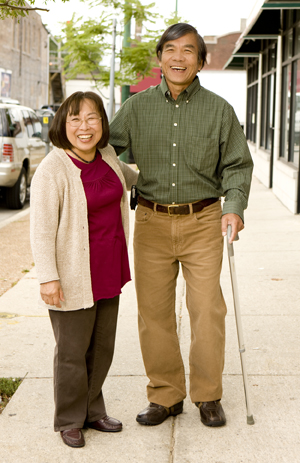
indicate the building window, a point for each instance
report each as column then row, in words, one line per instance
column 251, row 113
column 286, row 110
column 252, row 99
column 268, row 95
column 290, row 113
column 294, row 156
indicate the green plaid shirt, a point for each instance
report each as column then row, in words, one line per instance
column 186, row 150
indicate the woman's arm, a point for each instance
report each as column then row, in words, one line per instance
column 130, row 175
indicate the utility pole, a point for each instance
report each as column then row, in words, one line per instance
column 176, row 8
column 112, row 74
column 126, row 43
column 126, row 88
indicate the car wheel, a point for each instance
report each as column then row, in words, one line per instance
column 15, row 196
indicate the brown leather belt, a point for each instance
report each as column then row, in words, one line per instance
column 177, row 209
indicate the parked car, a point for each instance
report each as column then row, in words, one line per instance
column 44, row 112
column 21, row 151
column 8, row 100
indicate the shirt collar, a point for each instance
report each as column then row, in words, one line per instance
column 190, row 90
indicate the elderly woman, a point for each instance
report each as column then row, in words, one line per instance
column 79, row 229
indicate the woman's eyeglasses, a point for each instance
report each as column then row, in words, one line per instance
column 76, row 122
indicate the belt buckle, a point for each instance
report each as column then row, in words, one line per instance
column 172, row 213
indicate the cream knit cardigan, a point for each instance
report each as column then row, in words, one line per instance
column 59, row 227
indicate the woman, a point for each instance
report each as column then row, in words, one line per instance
column 79, row 229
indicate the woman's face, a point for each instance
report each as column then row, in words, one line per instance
column 85, row 137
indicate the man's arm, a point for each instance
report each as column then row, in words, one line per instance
column 119, row 129
column 235, row 171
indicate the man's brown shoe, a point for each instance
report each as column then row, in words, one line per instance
column 106, row 424
column 73, row 437
column 211, row 413
column 156, row 414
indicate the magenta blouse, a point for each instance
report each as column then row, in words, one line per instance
column 108, row 251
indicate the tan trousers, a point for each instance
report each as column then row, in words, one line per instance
column 85, row 341
column 195, row 241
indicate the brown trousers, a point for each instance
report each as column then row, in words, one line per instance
column 195, row 241
column 83, row 354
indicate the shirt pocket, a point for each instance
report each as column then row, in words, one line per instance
column 202, row 154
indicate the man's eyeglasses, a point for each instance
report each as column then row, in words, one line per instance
column 76, row 122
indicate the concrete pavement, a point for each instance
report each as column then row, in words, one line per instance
column 268, row 269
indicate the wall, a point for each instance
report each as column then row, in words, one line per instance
column 24, row 52
column 82, row 85
column 231, row 85
column 285, row 177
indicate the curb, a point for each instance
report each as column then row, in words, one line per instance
column 15, row 217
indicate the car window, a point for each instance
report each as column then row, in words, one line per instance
column 28, row 123
column 4, row 128
column 13, row 118
column 37, row 126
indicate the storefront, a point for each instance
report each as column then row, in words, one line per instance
column 269, row 50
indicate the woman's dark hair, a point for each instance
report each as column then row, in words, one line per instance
column 178, row 30
column 71, row 106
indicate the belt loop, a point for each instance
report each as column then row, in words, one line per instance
column 154, row 207
column 191, row 208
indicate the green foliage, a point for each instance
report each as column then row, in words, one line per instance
column 84, row 48
column 129, row 9
column 8, row 387
column 87, row 43
column 17, row 8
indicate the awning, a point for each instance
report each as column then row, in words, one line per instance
column 264, row 25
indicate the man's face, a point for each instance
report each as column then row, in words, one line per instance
column 179, row 61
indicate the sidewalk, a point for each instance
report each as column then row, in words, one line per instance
column 268, row 270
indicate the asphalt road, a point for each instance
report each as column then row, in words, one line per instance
column 6, row 213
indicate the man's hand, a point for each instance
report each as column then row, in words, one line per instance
column 236, row 225
column 52, row 293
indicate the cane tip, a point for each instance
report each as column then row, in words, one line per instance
column 250, row 419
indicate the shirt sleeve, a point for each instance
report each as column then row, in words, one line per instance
column 119, row 129
column 235, row 166
column 44, row 219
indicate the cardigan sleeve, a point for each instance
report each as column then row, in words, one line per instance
column 130, row 175
column 44, row 219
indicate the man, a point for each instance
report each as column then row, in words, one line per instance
column 190, row 150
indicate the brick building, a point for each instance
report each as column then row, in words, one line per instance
column 24, row 60
column 219, row 50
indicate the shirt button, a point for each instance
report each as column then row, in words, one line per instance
column 173, row 184
column 177, row 106
column 173, row 202
column 174, row 144
column 187, row 101
column 175, row 124
column 167, row 101
column 174, row 165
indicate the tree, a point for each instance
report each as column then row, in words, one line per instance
column 15, row 8
column 86, row 43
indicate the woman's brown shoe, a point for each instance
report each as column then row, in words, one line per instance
column 106, row 424
column 211, row 413
column 73, row 437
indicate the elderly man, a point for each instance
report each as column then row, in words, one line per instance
column 190, row 150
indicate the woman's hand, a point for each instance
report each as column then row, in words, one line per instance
column 51, row 293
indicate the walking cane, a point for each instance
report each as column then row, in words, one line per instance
column 238, row 320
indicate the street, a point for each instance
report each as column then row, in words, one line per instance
column 6, row 213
